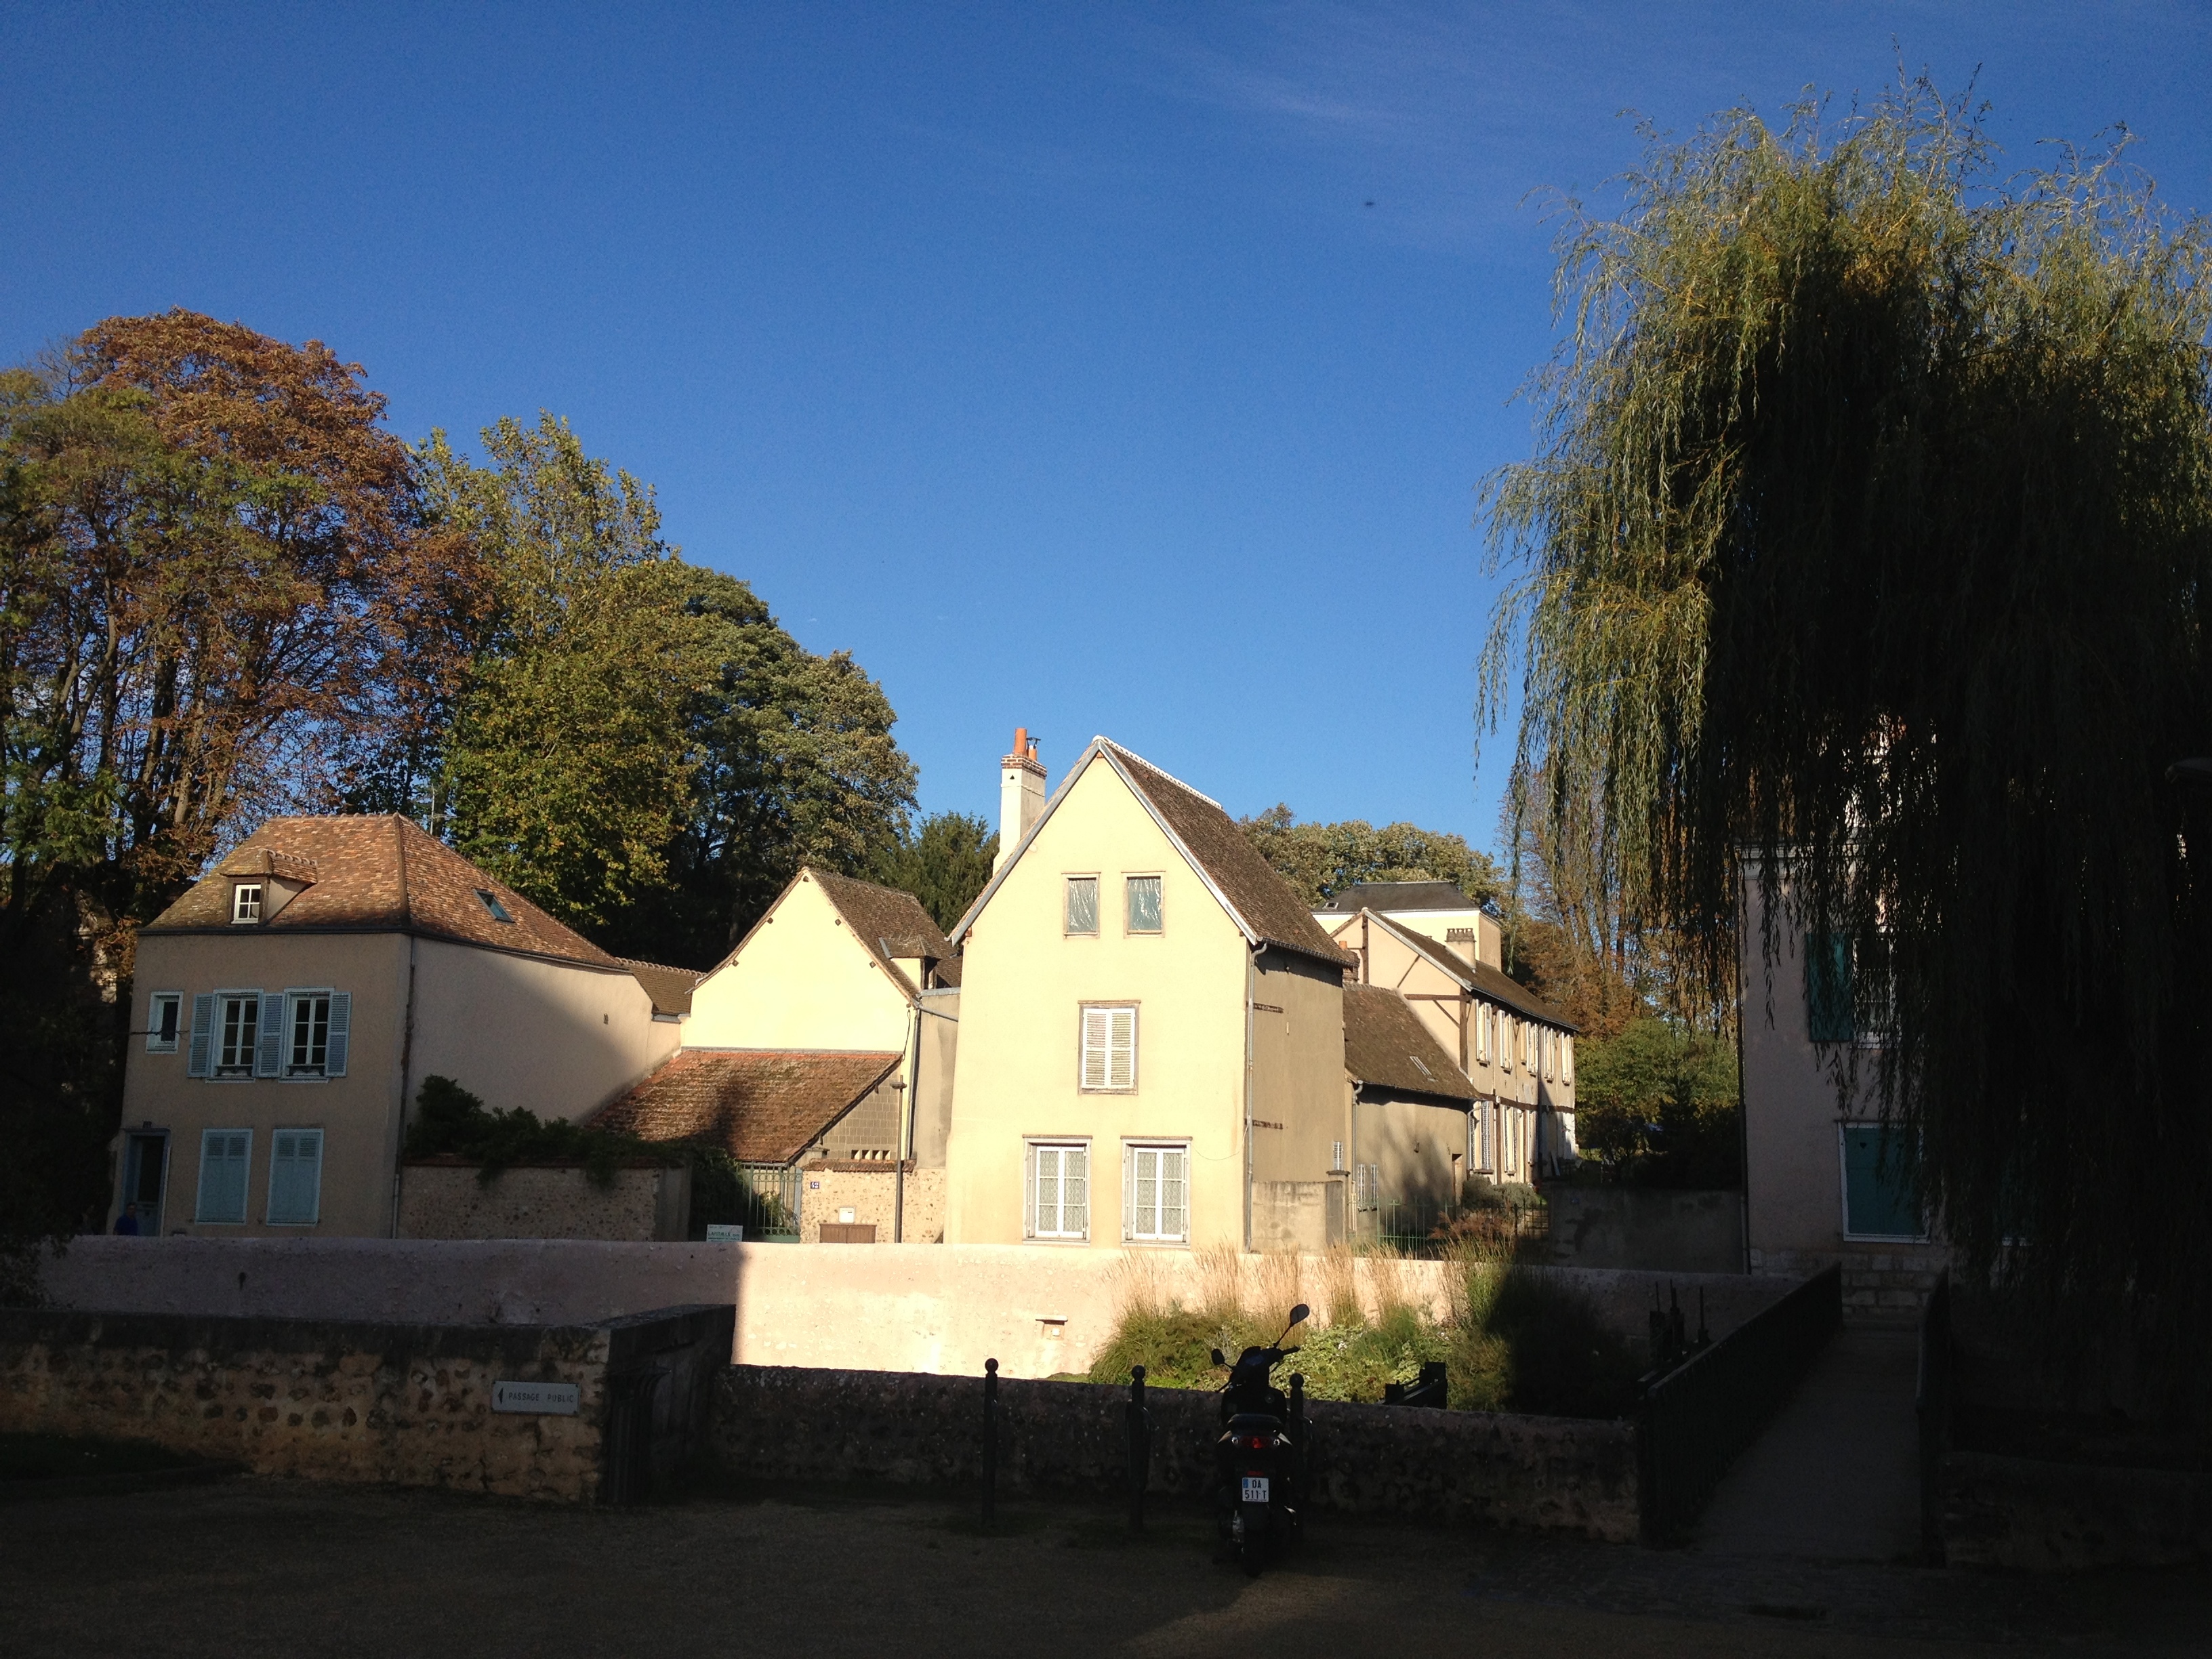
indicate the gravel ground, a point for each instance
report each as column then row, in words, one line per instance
column 252, row 1566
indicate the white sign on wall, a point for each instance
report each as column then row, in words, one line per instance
column 725, row 1232
column 557, row 1398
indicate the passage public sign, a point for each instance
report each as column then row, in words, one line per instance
column 558, row 1399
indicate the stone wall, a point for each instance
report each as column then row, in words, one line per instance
column 1884, row 1285
column 870, row 1191
column 1645, row 1227
column 343, row 1401
column 790, row 1424
column 443, row 1198
column 2029, row 1515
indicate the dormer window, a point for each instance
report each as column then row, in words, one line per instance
column 245, row 903
column 490, row 900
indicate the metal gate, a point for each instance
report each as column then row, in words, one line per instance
column 770, row 1194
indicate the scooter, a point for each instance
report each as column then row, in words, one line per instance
column 1257, row 1459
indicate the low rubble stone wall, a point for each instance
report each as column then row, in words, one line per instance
column 790, row 1423
column 328, row 1399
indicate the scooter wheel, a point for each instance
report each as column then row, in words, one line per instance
column 1251, row 1548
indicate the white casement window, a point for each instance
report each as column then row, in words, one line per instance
column 1083, row 905
column 1144, row 904
column 237, row 1032
column 246, row 903
column 164, row 1015
column 295, row 1177
column 1057, row 1180
column 318, row 1029
column 1110, row 1050
column 1156, row 1194
column 1367, row 1187
column 224, row 1157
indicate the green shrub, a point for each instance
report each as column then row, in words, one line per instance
column 451, row 1123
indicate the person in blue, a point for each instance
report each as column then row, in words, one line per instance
column 127, row 1222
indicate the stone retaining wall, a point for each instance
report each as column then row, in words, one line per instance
column 343, row 1401
column 2034, row 1515
column 445, row 1197
column 788, row 1422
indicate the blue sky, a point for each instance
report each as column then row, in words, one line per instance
column 1110, row 368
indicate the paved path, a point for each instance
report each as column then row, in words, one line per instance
column 1836, row 1476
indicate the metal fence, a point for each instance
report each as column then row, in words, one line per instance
column 769, row 1195
column 1932, row 1405
column 1695, row 1418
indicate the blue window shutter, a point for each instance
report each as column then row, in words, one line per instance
column 1828, row 1016
column 334, row 1063
column 199, row 1059
column 268, row 1050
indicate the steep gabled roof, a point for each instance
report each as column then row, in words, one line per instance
column 1400, row 896
column 1479, row 977
column 1385, row 1043
column 373, row 875
column 1265, row 909
column 887, row 923
column 759, row 1105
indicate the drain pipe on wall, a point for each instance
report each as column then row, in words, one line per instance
column 406, row 1065
column 1251, row 989
column 905, row 1149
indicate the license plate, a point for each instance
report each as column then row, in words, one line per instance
column 1255, row 1488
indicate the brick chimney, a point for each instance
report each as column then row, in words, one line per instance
column 1021, row 795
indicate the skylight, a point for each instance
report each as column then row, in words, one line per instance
column 499, row 912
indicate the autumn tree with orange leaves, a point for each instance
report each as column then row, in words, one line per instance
column 219, row 596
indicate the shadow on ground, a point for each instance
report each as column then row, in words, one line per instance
column 267, row 1567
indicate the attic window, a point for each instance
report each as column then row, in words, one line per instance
column 499, row 912
column 246, row 903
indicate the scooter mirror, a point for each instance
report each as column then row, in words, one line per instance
column 1298, row 1314
column 1218, row 1360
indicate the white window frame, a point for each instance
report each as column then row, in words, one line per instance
column 246, row 901
column 294, row 1070
column 1133, row 1214
column 1482, row 1013
column 244, row 1182
column 277, row 1138
column 1035, row 1150
column 1567, row 1059
column 1098, row 1018
column 155, row 1043
column 217, row 1067
column 1129, row 904
column 1067, row 928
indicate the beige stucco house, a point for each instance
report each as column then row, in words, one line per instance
column 1823, row 1183
column 287, row 1007
column 1516, row 1049
column 818, row 1054
column 1152, row 1029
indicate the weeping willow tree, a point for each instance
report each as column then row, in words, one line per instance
column 1860, row 566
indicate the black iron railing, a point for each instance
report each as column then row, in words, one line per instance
column 1932, row 1405
column 1695, row 1418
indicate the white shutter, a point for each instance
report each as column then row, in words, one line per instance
column 200, row 1058
column 1094, row 1023
column 1075, row 1192
column 1029, row 1191
column 295, row 1171
column 334, row 1063
column 1132, row 1223
column 224, row 1155
column 268, row 1050
column 1122, row 1048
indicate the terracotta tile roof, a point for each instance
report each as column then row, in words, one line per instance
column 670, row 987
column 1386, row 1043
column 759, row 1105
column 380, row 874
column 1269, row 906
column 1400, row 896
column 1479, row 976
column 888, row 922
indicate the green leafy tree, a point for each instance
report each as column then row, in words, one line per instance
column 642, row 747
column 1865, row 555
column 945, row 864
column 1322, row 860
column 1657, row 1102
